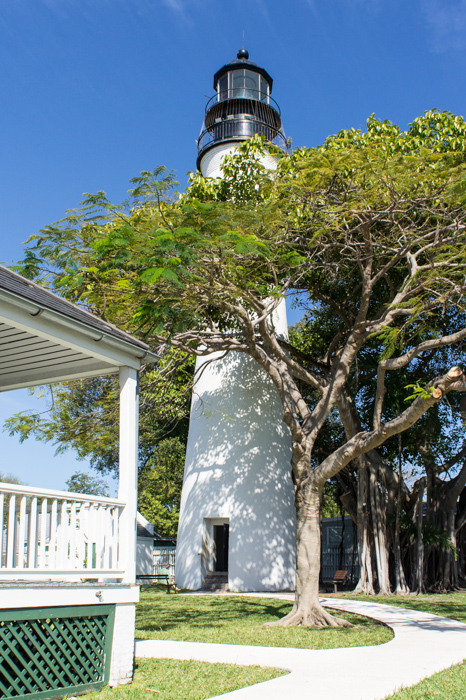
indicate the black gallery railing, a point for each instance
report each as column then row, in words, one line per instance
column 239, row 129
column 242, row 94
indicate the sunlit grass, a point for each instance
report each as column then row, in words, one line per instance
column 165, row 679
column 237, row 619
column 446, row 685
column 240, row 620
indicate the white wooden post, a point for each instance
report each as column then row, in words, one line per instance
column 43, row 534
column 54, row 529
column 22, row 533
column 10, row 547
column 115, row 537
column 72, row 536
column 128, row 487
column 32, row 538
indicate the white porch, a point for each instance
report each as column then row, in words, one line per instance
column 60, row 551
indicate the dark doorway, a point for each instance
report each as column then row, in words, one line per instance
column 221, row 537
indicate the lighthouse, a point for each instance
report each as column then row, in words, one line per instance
column 237, row 526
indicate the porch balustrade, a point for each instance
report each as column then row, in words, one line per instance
column 58, row 535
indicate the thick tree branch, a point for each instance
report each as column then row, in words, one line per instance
column 401, row 361
column 365, row 441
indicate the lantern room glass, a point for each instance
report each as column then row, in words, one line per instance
column 243, row 84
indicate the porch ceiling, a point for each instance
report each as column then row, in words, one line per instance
column 27, row 359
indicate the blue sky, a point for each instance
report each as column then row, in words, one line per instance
column 94, row 91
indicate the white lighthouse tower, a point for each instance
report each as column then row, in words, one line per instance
column 237, row 518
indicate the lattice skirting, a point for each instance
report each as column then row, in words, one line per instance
column 51, row 652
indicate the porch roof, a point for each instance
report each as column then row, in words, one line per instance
column 45, row 339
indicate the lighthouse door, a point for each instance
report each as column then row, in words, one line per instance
column 221, row 539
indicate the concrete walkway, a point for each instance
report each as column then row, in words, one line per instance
column 423, row 644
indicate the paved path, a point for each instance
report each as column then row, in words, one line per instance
column 423, row 644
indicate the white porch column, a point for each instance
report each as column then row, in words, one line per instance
column 128, row 487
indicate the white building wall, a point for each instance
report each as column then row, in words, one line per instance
column 238, row 470
column 212, row 160
column 144, row 556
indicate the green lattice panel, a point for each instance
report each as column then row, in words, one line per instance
column 55, row 651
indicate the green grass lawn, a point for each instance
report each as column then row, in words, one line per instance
column 165, row 679
column 240, row 620
column 227, row 620
column 446, row 685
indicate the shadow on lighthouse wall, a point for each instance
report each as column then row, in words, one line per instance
column 238, row 472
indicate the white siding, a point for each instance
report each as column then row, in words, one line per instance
column 238, row 470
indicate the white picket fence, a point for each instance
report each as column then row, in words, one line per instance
column 58, row 535
column 164, row 556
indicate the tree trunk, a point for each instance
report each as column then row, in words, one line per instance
column 366, row 582
column 453, row 490
column 450, row 580
column 380, row 530
column 307, row 610
column 442, row 507
column 419, row 572
column 461, row 563
column 401, row 587
column 460, row 521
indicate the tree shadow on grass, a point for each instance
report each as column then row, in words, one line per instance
column 186, row 616
column 164, row 615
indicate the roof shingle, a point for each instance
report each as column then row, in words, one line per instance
column 20, row 286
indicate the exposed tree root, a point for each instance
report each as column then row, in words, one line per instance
column 401, row 591
column 315, row 618
column 364, row 589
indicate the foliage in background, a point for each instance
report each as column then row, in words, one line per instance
column 10, row 479
column 160, row 483
column 80, row 482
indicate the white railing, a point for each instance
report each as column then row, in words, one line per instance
column 58, row 535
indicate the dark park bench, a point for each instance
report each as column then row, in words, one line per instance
column 339, row 577
column 163, row 576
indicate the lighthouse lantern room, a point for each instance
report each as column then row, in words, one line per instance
column 241, row 107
